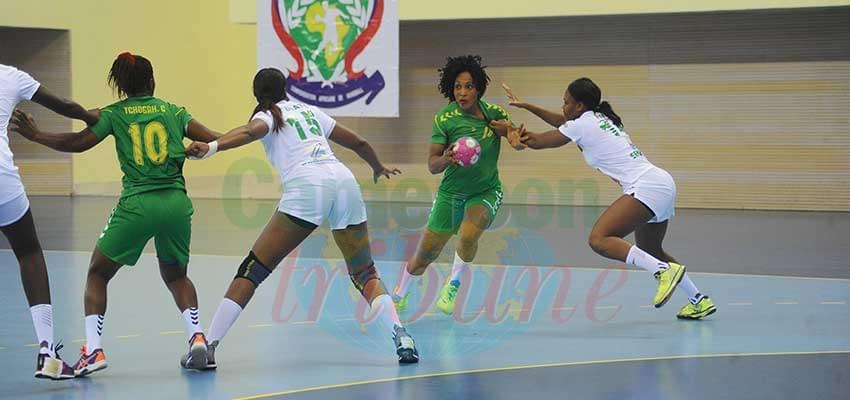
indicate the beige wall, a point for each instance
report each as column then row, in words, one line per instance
column 747, row 109
column 245, row 11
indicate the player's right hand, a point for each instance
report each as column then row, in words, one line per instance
column 197, row 150
column 450, row 155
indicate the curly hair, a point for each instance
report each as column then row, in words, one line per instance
column 454, row 66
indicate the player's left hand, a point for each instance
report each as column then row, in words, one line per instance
column 513, row 99
column 24, row 124
column 197, row 150
column 385, row 172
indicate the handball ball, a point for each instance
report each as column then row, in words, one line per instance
column 467, row 151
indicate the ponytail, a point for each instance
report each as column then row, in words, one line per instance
column 584, row 91
column 131, row 75
column 273, row 109
column 269, row 89
column 605, row 108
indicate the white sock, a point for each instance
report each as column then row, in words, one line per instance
column 642, row 259
column 458, row 267
column 694, row 296
column 94, row 330
column 226, row 314
column 42, row 319
column 192, row 320
column 385, row 308
column 404, row 283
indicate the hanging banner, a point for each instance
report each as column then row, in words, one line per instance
column 338, row 55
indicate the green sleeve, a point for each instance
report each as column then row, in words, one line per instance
column 503, row 114
column 103, row 127
column 438, row 135
column 183, row 117
column 497, row 112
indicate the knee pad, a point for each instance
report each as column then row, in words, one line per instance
column 360, row 276
column 253, row 270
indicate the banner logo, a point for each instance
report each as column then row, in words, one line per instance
column 324, row 37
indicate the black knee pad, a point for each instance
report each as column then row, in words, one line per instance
column 360, row 276
column 253, row 270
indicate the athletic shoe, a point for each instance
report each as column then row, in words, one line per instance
column 196, row 358
column 89, row 362
column 667, row 279
column 48, row 367
column 446, row 302
column 405, row 347
column 211, row 355
column 703, row 308
column 400, row 302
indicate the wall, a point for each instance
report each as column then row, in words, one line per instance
column 724, row 100
column 245, row 11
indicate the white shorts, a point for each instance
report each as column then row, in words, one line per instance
column 320, row 191
column 657, row 190
column 13, row 210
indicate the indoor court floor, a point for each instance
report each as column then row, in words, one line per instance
column 542, row 317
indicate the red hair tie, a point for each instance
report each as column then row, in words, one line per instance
column 130, row 56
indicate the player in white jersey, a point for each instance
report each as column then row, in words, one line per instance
column 16, row 220
column 649, row 192
column 317, row 188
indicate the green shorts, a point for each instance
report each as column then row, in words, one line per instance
column 165, row 215
column 447, row 211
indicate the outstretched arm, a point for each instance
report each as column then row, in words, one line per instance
column 65, row 107
column 552, row 118
column 545, row 140
column 236, row 137
column 200, row 133
column 350, row 140
column 69, row 142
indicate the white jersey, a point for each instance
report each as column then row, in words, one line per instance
column 15, row 86
column 607, row 148
column 301, row 141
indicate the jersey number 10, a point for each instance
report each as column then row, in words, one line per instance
column 156, row 142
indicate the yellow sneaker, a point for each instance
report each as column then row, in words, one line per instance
column 703, row 308
column 667, row 279
column 400, row 302
column 446, row 302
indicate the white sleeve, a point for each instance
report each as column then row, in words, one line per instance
column 572, row 130
column 325, row 121
column 266, row 117
column 27, row 86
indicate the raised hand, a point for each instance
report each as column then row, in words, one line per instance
column 513, row 99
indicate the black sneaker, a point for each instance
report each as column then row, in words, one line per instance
column 405, row 347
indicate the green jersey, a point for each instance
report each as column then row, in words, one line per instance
column 451, row 124
column 149, row 141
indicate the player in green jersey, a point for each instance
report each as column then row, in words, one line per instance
column 148, row 135
column 468, row 197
